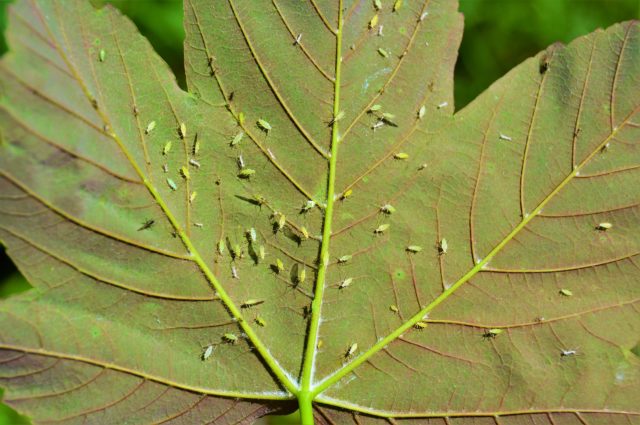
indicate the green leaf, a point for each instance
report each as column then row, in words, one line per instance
column 361, row 250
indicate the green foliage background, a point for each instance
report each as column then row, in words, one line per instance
column 498, row 35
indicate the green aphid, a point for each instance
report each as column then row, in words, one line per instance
column 443, row 246
column 253, row 236
column 302, row 274
column 230, row 338
column 388, row 117
column 377, row 4
column 420, row 325
column 236, row 251
column 397, row 5
column 566, row 292
column 182, row 130
column 308, row 205
column 264, row 125
column 102, row 55
column 492, row 333
column 347, row 193
column 337, row 118
column 245, row 173
column 374, row 21
column 150, row 127
column 167, row 148
column 421, row 112
column 172, row 184
column 401, row 155
column 345, row 283
column 196, row 146
column 185, row 173
column 345, row 258
column 221, row 247
column 261, row 252
column 279, row 265
column 193, row 196
column 207, row 352
column 282, row 220
column 382, row 228
column 351, row 351
column 251, row 303
column 375, row 108
column 414, row 248
column 259, row 199
column 388, row 209
column 382, row 52
column 394, row 308
column 237, row 138
column 241, row 118
column 260, row 321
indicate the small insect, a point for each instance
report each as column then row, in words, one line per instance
column 102, row 55
column 251, row 303
column 259, row 199
column 374, row 21
column 397, row 5
column 377, row 125
column 382, row 52
column 401, row 155
column 193, row 196
column 388, row 118
column 345, row 283
column 377, row 4
column 388, row 209
column 492, row 333
column 234, row 272
column 443, row 246
column 421, row 112
column 194, row 163
column 302, row 275
column 414, row 248
column 320, row 344
column 282, row 220
column 279, row 265
column 240, row 161
column 566, row 292
column 147, row 224
column 344, row 258
column 443, row 105
column 241, row 118
column 172, row 184
column 196, row 145
column 382, row 228
column 337, row 118
column 351, row 350
column 394, row 308
column 198, row 224
column 185, row 172
column 260, row 321
column 271, row 155
column 375, row 108
column 567, row 353
column 380, row 30
column 245, row 173
column 165, row 168
column 236, row 251
column 422, row 167
column 264, row 125
column 604, row 148
column 221, row 246
column 307, row 206
column 347, row 193
column 230, row 338
column 305, row 232
column 182, row 130
column 167, row 148
column 604, row 226
column 298, row 38
column 420, row 325
column 423, row 16
column 136, row 111
column 237, row 138
column 252, row 234
column 150, row 127
column 261, row 253
column 505, row 137
column 207, row 352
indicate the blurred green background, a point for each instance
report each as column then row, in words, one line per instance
column 499, row 34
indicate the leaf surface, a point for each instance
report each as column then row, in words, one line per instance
column 313, row 211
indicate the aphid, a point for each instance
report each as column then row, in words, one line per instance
column 351, row 350
column 421, row 112
column 604, row 148
column 236, row 251
column 259, row 199
column 261, row 253
column 374, row 21
column 185, row 172
column 252, row 234
column 302, row 274
column 279, row 265
column 566, row 292
column 377, row 125
column 423, row 16
column 102, row 55
column 345, row 283
column 207, row 352
column 604, row 226
column 221, row 246
column 443, row 246
column 420, row 325
column 381, row 228
column 196, row 145
column 282, row 220
column 147, row 224
column 442, row 105
column 394, row 308
column 320, row 344
column 422, row 167
column 167, row 148
column 375, row 108
column 234, row 272
column 230, row 338
column 241, row 118
column 337, row 118
column 298, row 38
column 397, row 5
column 194, row 163
column 305, row 232
column 198, row 224
column 380, row 30
column 505, row 137
column 264, row 125
column 308, row 205
column 567, row 353
column 377, row 4
column 347, row 193
column 237, row 138
column 172, row 184
column 260, row 321
column 345, row 258
column 251, row 303
column 150, row 127
column 414, row 248
column 182, row 130
column 383, row 52
column 193, row 196
column 387, row 209
column 240, row 161
column 245, row 173
column 492, row 333
column 401, row 155
column 165, row 168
